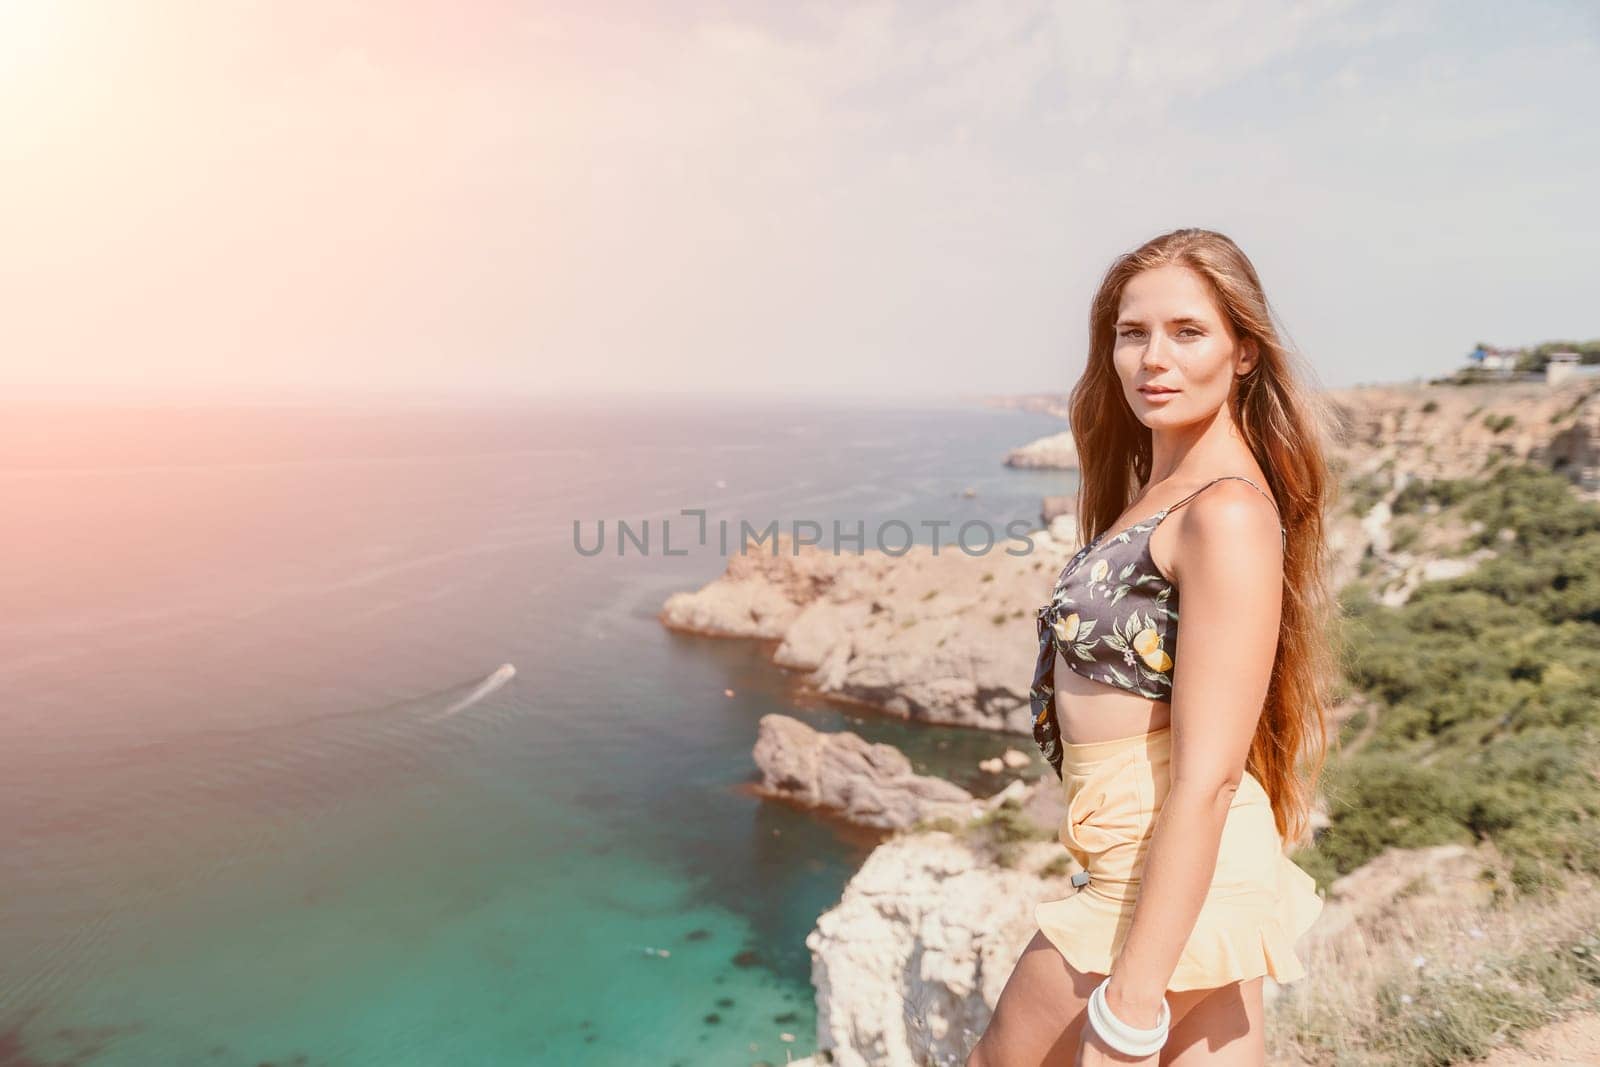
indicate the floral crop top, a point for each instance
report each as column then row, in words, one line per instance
column 1116, row 623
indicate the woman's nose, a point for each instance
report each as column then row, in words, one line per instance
column 1155, row 353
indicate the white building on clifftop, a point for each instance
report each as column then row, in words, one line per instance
column 1564, row 366
column 1495, row 360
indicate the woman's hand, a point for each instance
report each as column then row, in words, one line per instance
column 1092, row 1052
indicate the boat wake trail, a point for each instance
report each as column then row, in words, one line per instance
column 497, row 678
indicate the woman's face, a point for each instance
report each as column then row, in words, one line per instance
column 1171, row 335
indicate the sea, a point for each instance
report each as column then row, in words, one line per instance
column 325, row 741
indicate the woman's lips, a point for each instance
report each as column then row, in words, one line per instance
column 1157, row 394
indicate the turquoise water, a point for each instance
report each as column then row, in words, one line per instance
column 271, row 798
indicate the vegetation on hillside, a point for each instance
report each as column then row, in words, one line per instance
column 1486, row 689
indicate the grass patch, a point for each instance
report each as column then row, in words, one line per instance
column 1003, row 832
column 1438, row 986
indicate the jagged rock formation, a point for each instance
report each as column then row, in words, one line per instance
column 943, row 638
column 865, row 783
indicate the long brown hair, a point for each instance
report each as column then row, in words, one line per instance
column 1284, row 423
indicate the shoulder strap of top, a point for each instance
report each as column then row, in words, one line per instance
column 1282, row 530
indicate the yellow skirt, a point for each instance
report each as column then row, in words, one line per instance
column 1259, row 903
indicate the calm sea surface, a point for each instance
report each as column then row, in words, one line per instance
column 321, row 744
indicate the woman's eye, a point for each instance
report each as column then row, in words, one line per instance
column 1189, row 329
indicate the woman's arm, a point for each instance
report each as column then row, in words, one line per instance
column 1229, row 568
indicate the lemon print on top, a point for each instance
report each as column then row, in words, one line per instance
column 1147, row 642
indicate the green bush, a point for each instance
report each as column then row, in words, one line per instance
column 1402, row 537
column 1445, row 492
column 1538, row 505
column 1554, row 582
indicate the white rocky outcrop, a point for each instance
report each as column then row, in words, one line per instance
column 910, row 962
column 1057, row 452
column 866, row 783
column 762, row 593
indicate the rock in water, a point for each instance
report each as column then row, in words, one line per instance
column 869, row 784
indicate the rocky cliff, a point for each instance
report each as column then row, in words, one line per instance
column 1385, row 437
column 943, row 638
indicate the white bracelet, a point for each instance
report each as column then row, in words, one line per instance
column 1128, row 1040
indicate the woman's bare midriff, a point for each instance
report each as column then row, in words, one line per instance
column 1090, row 711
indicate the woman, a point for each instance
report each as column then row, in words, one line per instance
column 1181, row 785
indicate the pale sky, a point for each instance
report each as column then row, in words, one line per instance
column 848, row 199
